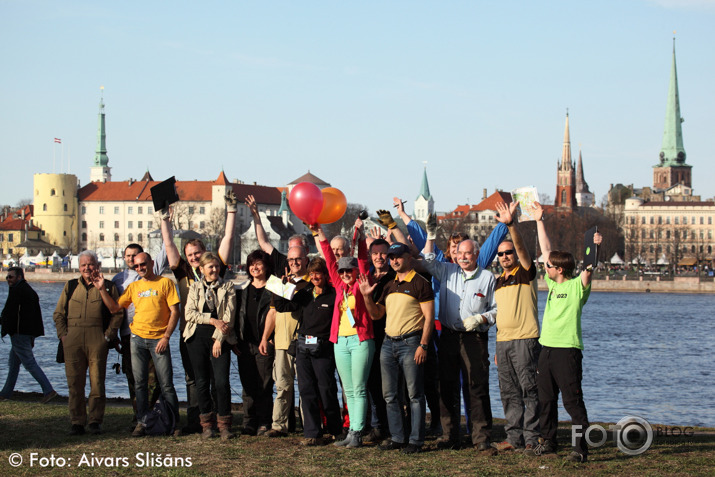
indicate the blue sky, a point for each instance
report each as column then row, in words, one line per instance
column 360, row 93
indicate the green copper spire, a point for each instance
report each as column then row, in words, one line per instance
column 100, row 156
column 672, row 152
column 424, row 190
column 284, row 203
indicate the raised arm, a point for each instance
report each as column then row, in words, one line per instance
column 489, row 248
column 167, row 235
column 587, row 273
column 224, row 248
column 319, row 237
column 363, row 261
column 544, row 241
column 507, row 217
column 109, row 301
column 260, row 231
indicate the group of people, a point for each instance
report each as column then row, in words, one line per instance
column 404, row 323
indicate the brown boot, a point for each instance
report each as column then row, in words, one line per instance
column 224, row 427
column 208, row 421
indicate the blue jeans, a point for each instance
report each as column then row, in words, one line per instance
column 398, row 358
column 21, row 353
column 353, row 359
column 142, row 349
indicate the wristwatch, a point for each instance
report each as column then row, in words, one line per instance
column 423, row 346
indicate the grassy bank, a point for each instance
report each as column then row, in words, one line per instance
column 29, row 428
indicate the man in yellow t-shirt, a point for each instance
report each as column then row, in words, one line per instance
column 156, row 305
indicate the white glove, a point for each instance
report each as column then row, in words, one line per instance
column 471, row 323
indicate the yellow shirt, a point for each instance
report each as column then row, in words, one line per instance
column 345, row 328
column 151, row 299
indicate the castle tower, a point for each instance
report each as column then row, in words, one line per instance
column 424, row 204
column 584, row 197
column 100, row 171
column 565, row 176
column 671, row 168
column 55, row 209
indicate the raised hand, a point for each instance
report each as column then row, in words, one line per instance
column 505, row 213
column 386, row 219
column 98, row 280
column 365, row 288
column 538, row 212
column 431, row 227
column 231, row 201
column 597, row 238
column 251, row 203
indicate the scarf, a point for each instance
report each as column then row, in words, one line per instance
column 210, row 293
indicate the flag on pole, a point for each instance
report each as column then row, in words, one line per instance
column 58, row 140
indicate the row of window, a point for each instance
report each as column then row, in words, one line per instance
column 9, row 251
column 659, row 249
column 676, row 220
column 44, row 207
column 130, row 224
column 130, row 237
column 676, row 234
column 10, row 237
column 130, row 209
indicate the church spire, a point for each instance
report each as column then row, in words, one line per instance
column 672, row 152
column 100, row 170
column 424, row 189
column 100, row 156
column 581, row 184
column 566, row 164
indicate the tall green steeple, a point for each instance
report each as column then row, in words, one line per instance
column 672, row 152
column 424, row 189
column 100, row 156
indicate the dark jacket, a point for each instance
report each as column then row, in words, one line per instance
column 22, row 312
column 315, row 314
column 263, row 306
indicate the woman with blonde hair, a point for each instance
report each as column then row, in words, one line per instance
column 209, row 336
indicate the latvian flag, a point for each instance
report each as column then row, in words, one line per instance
column 58, row 140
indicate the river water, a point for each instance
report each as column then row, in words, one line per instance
column 645, row 354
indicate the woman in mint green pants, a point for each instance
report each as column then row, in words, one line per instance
column 351, row 331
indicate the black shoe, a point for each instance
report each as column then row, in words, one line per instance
column 575, row 457
column 76, row 430
column 412, row 449
column 543, row 448
column 449, row 444
column 343, row 435
column 94, row 428
column 186, row 430
column 375, row 435
column 248, row 431
column 389, row 444
column 433, row 431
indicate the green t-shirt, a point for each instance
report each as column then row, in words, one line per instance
column 561, row 326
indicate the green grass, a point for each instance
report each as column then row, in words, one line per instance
column 42, row 429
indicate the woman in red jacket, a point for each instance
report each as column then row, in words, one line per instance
column 351, row 331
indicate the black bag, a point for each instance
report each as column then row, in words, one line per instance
column 161, row 420
column 292, row 348
column 313, row 349
column 71, row 286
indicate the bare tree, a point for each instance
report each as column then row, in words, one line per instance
column 344, row 226
column 214, row 227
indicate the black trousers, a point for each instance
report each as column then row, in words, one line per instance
column 256, row 373
column 560, row 369
column 200, row 347
column 432, row 382
column 378, row 409
column 469, row 353
column 316, row 384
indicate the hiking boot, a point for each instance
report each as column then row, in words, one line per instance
column 276, row 433
column 224, row 427
column 248, row 431
column 94, row 428
column 543, row 448
column 375, row 435
column 312, row 441
column 412, row 449
column 48, row 397
column 208, row 421
column 485, row 448
column 576, row 457
column 529, row 450
column 389, row 444
column 139, row 431
column 262, row 431
column 503, row 446
column 77, row 430
column 448, row 444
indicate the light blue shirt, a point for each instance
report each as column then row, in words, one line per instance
column 463, row 294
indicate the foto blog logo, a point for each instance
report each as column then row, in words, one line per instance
column 633, row 435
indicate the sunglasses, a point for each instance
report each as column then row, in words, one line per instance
column 349, row 271
column 294, row 260
column 139, row 264
column 548, row 265
column 505, row 252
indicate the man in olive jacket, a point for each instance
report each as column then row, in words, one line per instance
column 86, row 327
column 22, row 320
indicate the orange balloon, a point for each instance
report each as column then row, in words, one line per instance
column 334, row 206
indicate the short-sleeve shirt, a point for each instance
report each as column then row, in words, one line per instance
column 561, row 326
column 402, row 301
column 151, row 299
column 517, row 304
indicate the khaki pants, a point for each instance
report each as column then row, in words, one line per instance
column 284, row 376
column 85, row 348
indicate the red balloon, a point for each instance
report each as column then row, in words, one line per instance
column 334, row 206
column 306, row 202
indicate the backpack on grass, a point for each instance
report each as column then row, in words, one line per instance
column 160, row 421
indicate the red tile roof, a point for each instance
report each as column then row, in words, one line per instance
column 17, row 224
